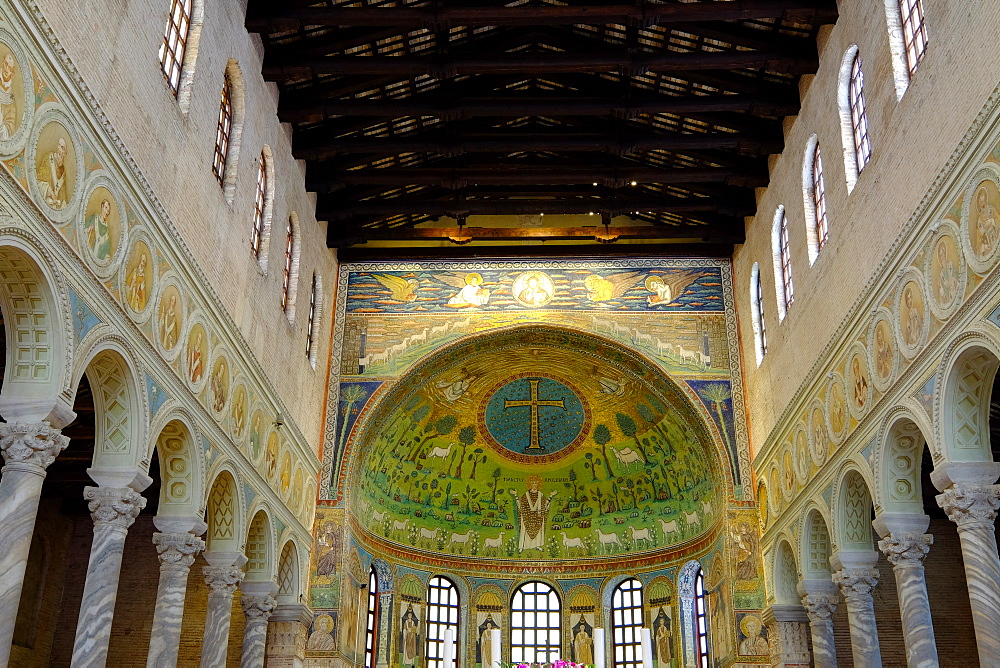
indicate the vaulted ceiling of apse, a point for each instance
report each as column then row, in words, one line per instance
column 630, row 121
column 625, row 468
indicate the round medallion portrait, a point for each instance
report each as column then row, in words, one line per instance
column 912, row 321
column 137, row 278
column 56, row 169
column 533, row 289
column 238, row 414
column 17, row 95
column 169, row 319
column 882, row 348
column 532, row 417
column 100, row 235
column 819, row 442
column 219, row 384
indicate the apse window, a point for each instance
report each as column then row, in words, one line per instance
column 701, row 620
column 911, row 13
column 223, row 132
column 175, row 40
column 442, row 614
column 535, row 625
column 371, row 624
column 626, row 623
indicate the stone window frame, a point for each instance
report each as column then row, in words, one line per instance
column 906, row 26
column 784, row 288
column 757, row 314
column 178, row 52
column 814, row 200
column 854, row 128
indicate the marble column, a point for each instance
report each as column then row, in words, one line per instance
column 287, row 629
column 819, row 598
column 971, row 502
column 906, row 552
column 257, row 600
column 28, row 449
column 176, row 552
column 856, row 576
column 787, row 635
column 113, row 510
column 222, row 582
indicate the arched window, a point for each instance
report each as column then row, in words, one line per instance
column 371, row 627
column 911, row 14
column 442, row 614
column 223, row 132
column 315, row 313
column 286, row 272
column 700, row 620
column 626, row 622
column 259, row 204
column 859, row 113
column 535, row 624
column 782, row 258
column 175, row 41
column 757, row 314
column 814, row 200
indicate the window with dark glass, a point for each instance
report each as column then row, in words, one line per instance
column 175, row 37
column 223, row 131
column 442, row 614
column 758, row 303
column 626, row 623
column 535, row 624
column 286, row 276
column 259, row 202
column 311, row 320
column 859, row 114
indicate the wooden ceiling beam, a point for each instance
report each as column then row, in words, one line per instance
column 286, row 16
column 461, row 177
column 534, row 63
column 305, row 149
column 445, row 106
column 713, row 248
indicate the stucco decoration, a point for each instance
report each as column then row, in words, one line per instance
column 555, row 445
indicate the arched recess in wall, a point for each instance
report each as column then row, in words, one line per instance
column 785, row 577
column 623, row 467
column 815, row 547
column 260, row 563
column 289, row 583
column 182, row 478
column 225, row 520
column 962, row 405
column 853, row 512
column 39, row 344
column 902, row 442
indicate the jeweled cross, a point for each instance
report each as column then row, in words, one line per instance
column 534, row 403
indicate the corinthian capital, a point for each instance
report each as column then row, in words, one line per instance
column 971, row 506
column 906, row 550
column 177, row 548
column 35, row 443
column 820, row 607
column 222, row 579
column 856, row 583
column 257, row 608
column 117, row 506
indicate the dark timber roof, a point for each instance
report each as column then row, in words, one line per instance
column 656, row 116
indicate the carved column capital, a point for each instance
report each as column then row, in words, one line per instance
column 115, row 506
column 856, row 583
column 222, row 579
column 820, row 607
column 906, row 550
column 257, row 608
column 971, row 506
column 178, row 548
column 31, row 443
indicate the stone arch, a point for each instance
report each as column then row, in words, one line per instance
column 852, row 511
column 224, row 514
column 289, row 582
column 897, row 476
column 37, row 383
column 182, row 474
column 962, row 402
column 259, row 547
column 815, row 547
column 120, row 403
column 785, row 578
